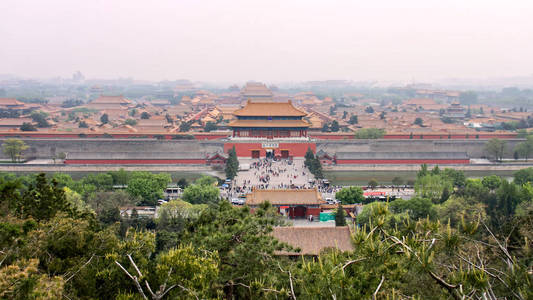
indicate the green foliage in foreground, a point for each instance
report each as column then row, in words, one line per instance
column 474, row 245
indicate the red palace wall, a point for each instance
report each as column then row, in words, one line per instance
column 135, row 161
column 245, row 149
column 401, row 161
column 198, row 136
column 215, row 136
column 443, row 136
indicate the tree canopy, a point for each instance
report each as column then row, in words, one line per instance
column 350, row 195
column 14, row 149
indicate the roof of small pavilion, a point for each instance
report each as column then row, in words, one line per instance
column 285, row 197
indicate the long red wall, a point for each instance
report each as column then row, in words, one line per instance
column 134, row 161
column 245, row 149
column 198, row 136
column 215, row 136
column 401, row 161
column 444, row 136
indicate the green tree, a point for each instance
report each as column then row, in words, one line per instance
column 101, row 181
column 369, row 133
column 525, row 149
column 456, row 176
column 419, row 122
column 432, row 187
column 43, row 200
column 169, row 119
column 149, row 187
column 373, row 183
column 423, row 171
column 495, row 148
column 22, row 280
column 397, row 181
column 14, row 149
column 475, row 189
column 350, row 195
column 120, row 177
column 145, row 115
column 416, row 208
column 445, row 194
column 210, row 126
column 185, row 126
column 130, row 122
column 316, row 168
column 201, row 194
column 435, row 170
column 232, row 164
column 468, row 114
column 182, row 183
column 523, row 176
column 340, row 216
column 334, row 126
column 83, row 124
column 353, row 120
column 491, row 182
column 104, row 119
column 369, row 109
column 28, row 127
column 244, row 245
column 39, row 117
column 309, row 155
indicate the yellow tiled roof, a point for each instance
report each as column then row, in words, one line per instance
column 285, row 197
column 270, row 109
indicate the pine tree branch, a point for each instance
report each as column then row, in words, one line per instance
column 377, row 289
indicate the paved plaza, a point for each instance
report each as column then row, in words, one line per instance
column 270, row 174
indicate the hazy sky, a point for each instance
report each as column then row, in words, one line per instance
column 274, row 40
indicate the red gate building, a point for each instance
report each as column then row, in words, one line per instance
column 269, row 120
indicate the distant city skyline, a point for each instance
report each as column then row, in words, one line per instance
column 269, row 41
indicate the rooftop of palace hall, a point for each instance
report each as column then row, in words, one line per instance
column 269, row 109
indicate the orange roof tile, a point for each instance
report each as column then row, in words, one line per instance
column 285, row 197
column 416, row 101
column 110, row 100
column 312, row 240
column 270, row 109
column 10, row 101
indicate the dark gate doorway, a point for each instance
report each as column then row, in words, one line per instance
column 270, row 153
column 256, row 153
column 284, row 153
column 297, row 212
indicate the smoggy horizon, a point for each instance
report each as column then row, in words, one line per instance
column 271, row 41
